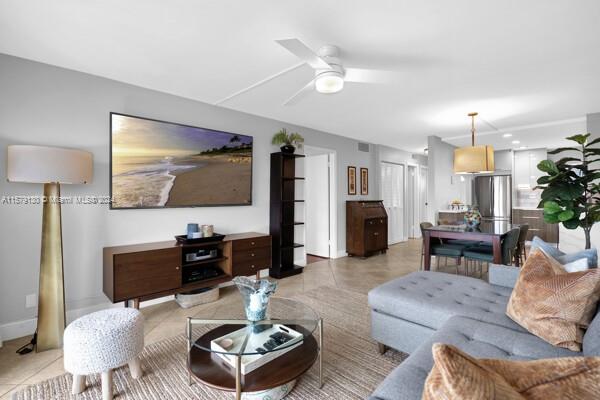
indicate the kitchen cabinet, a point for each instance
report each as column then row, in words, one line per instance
column 526, row 173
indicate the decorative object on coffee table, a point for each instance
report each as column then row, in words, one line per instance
column 351, row 180
column 472, row 217
column 364, row 181
column 255, row 294
column 570, row 188
column 277, row 375
column 51, row 166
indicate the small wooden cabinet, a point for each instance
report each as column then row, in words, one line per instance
column 149, row 270
column 451, row 218
column 366, row 228
column 537, row 226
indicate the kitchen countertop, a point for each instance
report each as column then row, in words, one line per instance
column 528, row 208
column 452, row 211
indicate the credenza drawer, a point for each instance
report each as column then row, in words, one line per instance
column 253, row 243
column 249, row 261
column 263, row 253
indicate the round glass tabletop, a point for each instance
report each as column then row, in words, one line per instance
column 227, row 330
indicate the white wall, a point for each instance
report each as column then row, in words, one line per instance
column 45, row 105
column 444, row 185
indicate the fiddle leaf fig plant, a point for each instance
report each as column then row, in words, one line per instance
column 570, row 188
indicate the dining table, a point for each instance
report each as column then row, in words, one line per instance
column 487, row 231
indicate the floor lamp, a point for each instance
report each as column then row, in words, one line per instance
column 50, row 166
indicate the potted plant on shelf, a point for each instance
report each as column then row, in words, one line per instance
column 288, row 141
column 570, row 192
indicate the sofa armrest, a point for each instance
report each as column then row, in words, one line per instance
column 503, row 275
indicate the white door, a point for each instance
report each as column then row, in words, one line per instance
column 423, row 200
column 412, row 202
column 392, row 194
column 317, row 204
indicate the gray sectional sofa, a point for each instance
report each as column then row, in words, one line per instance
column 411, row 313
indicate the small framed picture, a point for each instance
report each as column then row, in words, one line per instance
column 364, row 181
column 351, row 180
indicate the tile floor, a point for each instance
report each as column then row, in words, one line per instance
column 168, row 319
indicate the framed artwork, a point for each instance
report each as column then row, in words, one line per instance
column 364, row 181
column 351, row 180
column 158, row 164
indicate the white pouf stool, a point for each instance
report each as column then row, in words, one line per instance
column 102, row 341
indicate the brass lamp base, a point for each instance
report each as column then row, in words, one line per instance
column 51, row 302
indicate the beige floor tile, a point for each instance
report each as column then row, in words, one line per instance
column 4, row 389
column 54, row 369
column 8, row 395
column 15, row 368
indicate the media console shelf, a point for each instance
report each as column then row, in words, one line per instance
column 147, row 271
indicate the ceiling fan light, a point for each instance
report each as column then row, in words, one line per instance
column 329, row 82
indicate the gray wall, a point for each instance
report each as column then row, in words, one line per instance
column 46, row 105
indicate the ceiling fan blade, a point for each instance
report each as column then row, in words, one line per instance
column 303, row 52
column 308, row 88
column 363, row 75
column 257, row 84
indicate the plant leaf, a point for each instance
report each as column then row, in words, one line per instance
column 548, row 166
column 565, row 215
column 561, row 149
column 579, row 138
column 571, row 224
column 552, row 207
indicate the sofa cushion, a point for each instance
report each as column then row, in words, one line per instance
column 430, row 298
column 476, row 338
column 555, row 305
column 456, row 375
column 564, row 258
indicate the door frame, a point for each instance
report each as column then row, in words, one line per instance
column 404, row 164
column 421, row 202
column 332, row 155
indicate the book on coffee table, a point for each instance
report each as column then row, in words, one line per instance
column 269, row 344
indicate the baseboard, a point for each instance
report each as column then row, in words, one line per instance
column 17, row 329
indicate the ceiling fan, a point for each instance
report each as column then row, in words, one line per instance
column 330, row 73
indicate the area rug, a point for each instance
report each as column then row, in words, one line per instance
column 352, row 367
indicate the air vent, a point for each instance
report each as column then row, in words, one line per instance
column 363, row 147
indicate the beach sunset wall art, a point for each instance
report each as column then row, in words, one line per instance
column 161, row 164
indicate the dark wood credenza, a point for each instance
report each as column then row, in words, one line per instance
column 147, row 271
column 366, row 227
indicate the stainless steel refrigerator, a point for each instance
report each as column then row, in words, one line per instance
column 493, row 195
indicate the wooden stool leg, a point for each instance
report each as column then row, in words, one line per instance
column 107, row 385
column 135, row 368
column 78, row 384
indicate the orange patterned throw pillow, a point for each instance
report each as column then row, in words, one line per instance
column 458, row 376
column 555, row 305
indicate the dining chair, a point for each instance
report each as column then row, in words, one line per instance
column 440, row 249
column 484, row 253
column 521, row 253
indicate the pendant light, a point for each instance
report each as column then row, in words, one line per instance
column 473, row 159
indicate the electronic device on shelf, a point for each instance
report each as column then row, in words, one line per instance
column 183, row 239
column 201, row 254
column 200, row 273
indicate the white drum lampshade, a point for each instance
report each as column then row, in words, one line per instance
column 42, row 164
column 50, row 166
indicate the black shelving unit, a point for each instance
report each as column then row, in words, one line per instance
column 282, row 212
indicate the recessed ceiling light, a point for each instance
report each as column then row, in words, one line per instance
column 507, row 135
column 515, row 142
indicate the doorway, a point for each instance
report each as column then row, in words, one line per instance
column 412, row 202
column 393, row 195
column 320, row 211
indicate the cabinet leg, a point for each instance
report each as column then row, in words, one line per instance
column 136, row 304
column 382, row 348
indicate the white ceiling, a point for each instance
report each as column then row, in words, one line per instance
column 516, row 62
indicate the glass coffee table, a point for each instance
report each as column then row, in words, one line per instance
column 222, row 347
